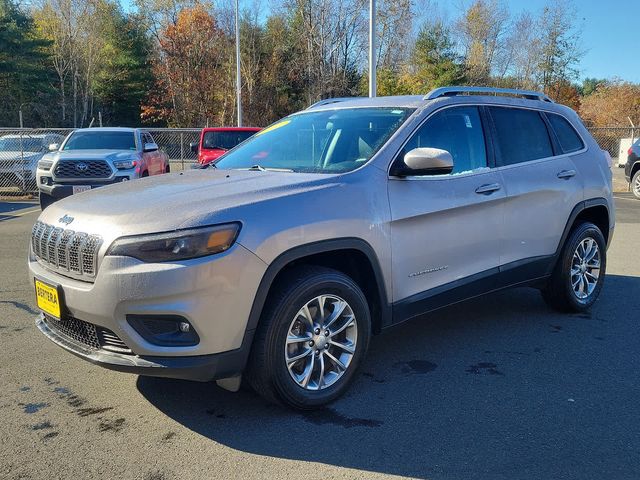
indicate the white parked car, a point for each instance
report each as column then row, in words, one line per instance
column 19, row 156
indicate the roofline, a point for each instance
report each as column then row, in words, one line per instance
column 451, row 91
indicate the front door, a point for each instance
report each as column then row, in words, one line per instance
column 446, row 229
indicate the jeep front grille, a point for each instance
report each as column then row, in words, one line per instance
column 66, row 250
column 82, row 169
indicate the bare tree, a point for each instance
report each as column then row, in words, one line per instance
column 560, row 50
column 482, row 31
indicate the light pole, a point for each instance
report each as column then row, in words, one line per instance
column 238, row 79
column 372, row 48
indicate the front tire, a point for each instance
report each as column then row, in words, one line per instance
column 579, row 274
column 635, row 185
column 313, row 335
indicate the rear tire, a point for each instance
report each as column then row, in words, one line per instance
column 145, row 174
column 635, row 185
column 45, row 200
column 168, row 169
column 329, row 342
column 578, row 276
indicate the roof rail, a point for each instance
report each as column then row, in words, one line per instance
column 452, row 91
column 328, row 101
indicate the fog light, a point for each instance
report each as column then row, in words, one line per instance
column 164, row 330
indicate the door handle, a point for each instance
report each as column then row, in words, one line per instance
column 488, row 189
column 566, row 174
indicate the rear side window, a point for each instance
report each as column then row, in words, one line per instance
column 457, row 130
column 569, row 139
column 521, row 135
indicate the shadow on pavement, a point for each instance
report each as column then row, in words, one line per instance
column 9, row 210
column 497, row 387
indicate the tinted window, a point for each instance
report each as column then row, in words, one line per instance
column 458, row 131
column 569, row 139
column 521, row 135
column 101, row 140
column 224, row 140
column 324, row 141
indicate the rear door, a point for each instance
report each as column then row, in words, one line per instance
column 542, row 184
column 446, row 229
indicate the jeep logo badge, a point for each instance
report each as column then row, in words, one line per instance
column 66, row 219
column 82, row 167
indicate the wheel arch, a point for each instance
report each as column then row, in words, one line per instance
column 352, row 256
column 596, row 211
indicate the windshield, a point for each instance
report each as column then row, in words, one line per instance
column 24, row 144
column 224, row 140
column 101, row 141
column 329, row 141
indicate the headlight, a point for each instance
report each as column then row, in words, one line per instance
column 178, row 245
column 124, row 164
column 45, row 164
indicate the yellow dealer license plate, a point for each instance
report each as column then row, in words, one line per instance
column 48, row 299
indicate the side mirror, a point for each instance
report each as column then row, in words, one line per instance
column 194, row 147
column 53, row 147
column 150, row 147
column 424, row 161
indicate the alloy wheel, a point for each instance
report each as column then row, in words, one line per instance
column 321, row 342
column 585, row 268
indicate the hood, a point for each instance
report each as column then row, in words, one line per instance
column 177, row 200
column 110, row 155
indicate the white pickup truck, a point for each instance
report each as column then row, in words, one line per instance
column 94, row 157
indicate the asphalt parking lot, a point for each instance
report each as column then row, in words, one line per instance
column 496, row 388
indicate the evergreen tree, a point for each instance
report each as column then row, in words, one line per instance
column 24, row 76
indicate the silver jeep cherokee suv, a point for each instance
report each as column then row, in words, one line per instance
column 329, row 226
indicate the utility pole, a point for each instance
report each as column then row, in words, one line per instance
column 238, row 79
column 372, row 48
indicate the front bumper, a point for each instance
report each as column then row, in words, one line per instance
column 214, row 294
column 202, row 368
column 58, row 190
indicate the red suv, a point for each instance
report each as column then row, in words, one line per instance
column 214, row 142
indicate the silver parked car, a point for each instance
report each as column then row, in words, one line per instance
column 94, row 157
column 19, row 156
column 329, row 226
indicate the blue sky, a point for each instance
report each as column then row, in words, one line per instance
column 610, row 32
column 610, row 35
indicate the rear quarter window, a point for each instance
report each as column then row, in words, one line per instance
column 569, row 139
column 521, row 135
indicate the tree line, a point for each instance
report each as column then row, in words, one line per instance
column 172, row 62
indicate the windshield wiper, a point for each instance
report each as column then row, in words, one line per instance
column 260, row 168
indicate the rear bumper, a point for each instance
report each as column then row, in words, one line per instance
column 200, row 368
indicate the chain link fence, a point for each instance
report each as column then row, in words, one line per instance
column 20, row 150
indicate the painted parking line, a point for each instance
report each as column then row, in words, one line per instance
column 9, row 216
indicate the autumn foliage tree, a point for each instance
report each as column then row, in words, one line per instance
column 612, row 104
column 189, row 67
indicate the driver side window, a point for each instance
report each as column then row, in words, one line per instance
column 457, row 130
